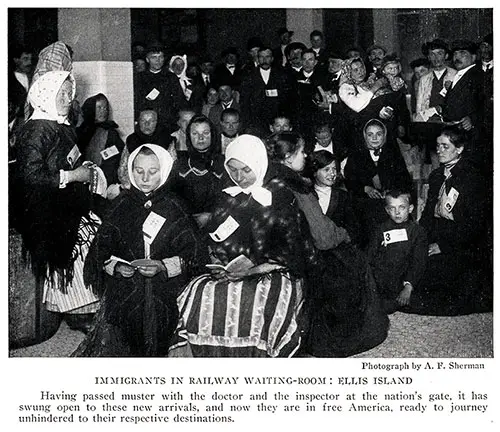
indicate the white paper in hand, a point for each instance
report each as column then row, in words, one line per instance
column 152, row 226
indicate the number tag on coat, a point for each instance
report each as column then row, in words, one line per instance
column 152, row 226
column 225, row 229
column 395, row 236
column 152, row 95
column 73, row 155
column 109, row 152
column 272, row 93
column 451, row 199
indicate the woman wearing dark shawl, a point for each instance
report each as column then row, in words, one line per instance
column 98, row 138
column 252, row 310
column 57, row 226
column 139, row 311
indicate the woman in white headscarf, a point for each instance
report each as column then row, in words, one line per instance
column 178, row 66
column 58, row 192
column 146, row 250
column 250, row 304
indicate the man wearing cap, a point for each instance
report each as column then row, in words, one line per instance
column 265, row 92
column 279, row 56
column 464, row 101
column 432, row 88
column 159, row 89
column 293, row 53
column 486, row 54
column 229, row 71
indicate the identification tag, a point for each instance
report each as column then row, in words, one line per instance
column 395, row 236
column 152, row 226
column 109, row 152
column 451, row 199
column 153, row 94
column 73, row 155
column 228, row 227
column 272, row 93
column 443, row 92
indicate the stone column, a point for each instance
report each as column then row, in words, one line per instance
column 303, row 22
column 385, row 30
column 101, row 41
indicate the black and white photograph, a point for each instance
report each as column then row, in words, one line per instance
column 236, row 182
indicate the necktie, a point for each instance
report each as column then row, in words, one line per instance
column 376, row 152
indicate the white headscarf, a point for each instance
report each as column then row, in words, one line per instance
column 251, row 151
column 42, row 95
column 163, row 156
column 184, row 80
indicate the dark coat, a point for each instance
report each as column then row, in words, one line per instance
column 169, row 101
column 258, row 109
column 222, row 76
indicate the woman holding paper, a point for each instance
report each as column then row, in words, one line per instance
column 143, row 254
column 253, row 309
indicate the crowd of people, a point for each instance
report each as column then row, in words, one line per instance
column 261, row 207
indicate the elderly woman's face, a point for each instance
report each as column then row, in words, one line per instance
column 446, row 150
column 64, row 98
column 101, row 110
column 146, row 172
column 201, row 136
column 358, row 71
column 326, row 176
column 374, row 137
column 241, row 173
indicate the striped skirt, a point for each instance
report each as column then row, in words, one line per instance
column 255, row 317
column 78, row 298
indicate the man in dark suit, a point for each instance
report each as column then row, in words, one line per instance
column 19, row 80
column 265, row 92
column 226, row 100
column 207, row 72
column 486, row 53
column 308, row 80
column 229, row 71
column 253, row 46
column 280, row 59
column 317, row 45
column 464, row 101
column 159, row 89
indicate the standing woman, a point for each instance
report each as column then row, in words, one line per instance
column 139, row 312
column 57, row 226
column 252, row 310
column 345, row 314
column 99, row 141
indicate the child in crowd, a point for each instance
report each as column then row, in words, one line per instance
column 327, row 140
column 280, row 124
column 398, row 252
column 179, row 135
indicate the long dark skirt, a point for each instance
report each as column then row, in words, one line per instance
column 345, row 310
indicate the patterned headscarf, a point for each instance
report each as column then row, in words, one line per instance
column 55, row 57
column 43, row 93
column 166, row 163
column 346, row 71
column 251, row 151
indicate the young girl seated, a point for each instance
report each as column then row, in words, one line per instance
column 344, row 309
column 142, row 256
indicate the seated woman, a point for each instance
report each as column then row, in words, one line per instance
column 198, row 175
column 360, row 95
column 459, row 274
column 99, row 140
column 142, row 256
column 370, row 171
column 345, row 312
column 58, row 191
column 252, row 309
